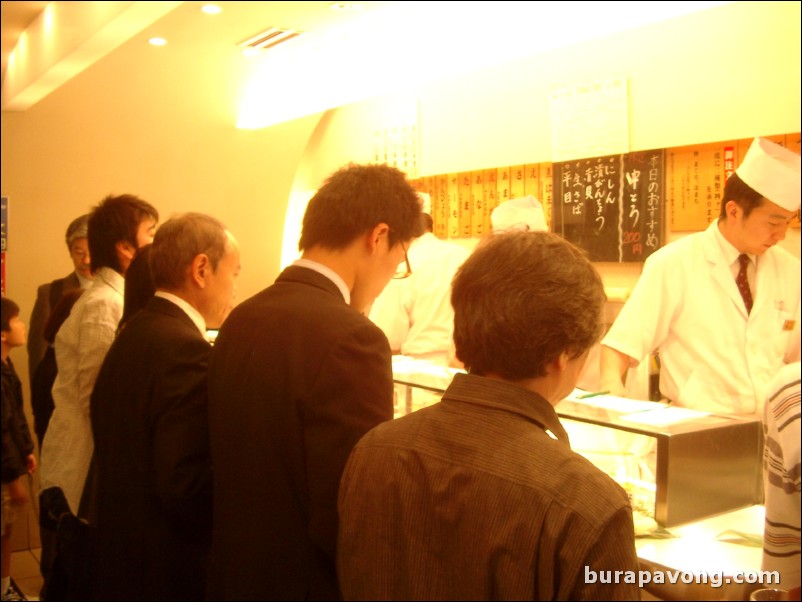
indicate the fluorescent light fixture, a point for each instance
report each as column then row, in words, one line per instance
column 408, row 44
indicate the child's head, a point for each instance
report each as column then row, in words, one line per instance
column 13, row 328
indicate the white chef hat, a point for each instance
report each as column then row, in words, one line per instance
column 525, row 213
column 425, row 201
column 773, row 171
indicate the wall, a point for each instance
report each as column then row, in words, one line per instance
column 722, row 74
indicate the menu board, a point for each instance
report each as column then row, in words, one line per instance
column 612, row 207
column 617, row 207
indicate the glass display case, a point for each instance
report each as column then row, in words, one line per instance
column 677, row 465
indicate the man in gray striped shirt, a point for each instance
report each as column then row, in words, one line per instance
column 781, row 474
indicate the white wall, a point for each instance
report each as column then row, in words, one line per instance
column 727, row 73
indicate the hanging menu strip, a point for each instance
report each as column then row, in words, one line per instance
column 612, row 207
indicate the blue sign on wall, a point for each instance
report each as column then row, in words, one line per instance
column 4, row 215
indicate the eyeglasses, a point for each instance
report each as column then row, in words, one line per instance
column 400, row 273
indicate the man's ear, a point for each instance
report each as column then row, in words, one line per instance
column 558, row 364
column 378, row 232
column 125, row 249
column 200, row 269
column 731, row 210
column 125, row 254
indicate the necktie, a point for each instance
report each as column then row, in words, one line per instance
column 743, row 283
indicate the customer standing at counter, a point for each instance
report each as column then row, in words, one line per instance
column 152, row 491
column 297, row 375
column 479, row 497
column 781, row 476
column 118, row 226
column 722, row 334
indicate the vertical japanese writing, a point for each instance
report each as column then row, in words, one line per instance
column 491, row 196
column 546, row 191
column 465, row 216
column 442, row 220
column 453, row 206
column 477, row 203
column 654, row 202
column 611, row 206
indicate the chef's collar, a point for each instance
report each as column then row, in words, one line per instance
column 729, row 251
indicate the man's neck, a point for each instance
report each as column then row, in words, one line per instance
column 339, row 261
column 726, row 231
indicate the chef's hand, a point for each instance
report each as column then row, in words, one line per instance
column 613, row 367
column 613, row 386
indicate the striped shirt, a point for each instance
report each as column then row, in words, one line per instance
column 781, row 466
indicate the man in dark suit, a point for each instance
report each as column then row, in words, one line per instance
column 150, row 499
column 48, row 295
column 298, row 374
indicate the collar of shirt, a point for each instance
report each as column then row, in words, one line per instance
column 84, row 282
column 328, row 273
column 506, row 396
column 193, row 313
column 731, row 254
column 112, row 278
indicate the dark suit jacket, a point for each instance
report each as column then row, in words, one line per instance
column 47, row 295
column 296, row 378
column 151, row 493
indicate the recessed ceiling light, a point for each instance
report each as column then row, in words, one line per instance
column 345, row 6
column 211, row 9
column 157, row 41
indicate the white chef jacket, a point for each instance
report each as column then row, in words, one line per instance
column 415, row 313
column 715, row 357
column 81, row 345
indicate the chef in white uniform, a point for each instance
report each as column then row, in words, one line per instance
column 717, row 356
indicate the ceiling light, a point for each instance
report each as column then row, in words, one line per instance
column 345, row 6
column 211, row 9
column 157, row 41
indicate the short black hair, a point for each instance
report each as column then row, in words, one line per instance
column 9, row 311
column 116, row 219
column 357, row 198
column 744, row 195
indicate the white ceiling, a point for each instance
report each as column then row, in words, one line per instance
column 399, row 38
column 16, row 16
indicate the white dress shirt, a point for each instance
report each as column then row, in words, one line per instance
column 81, row 345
